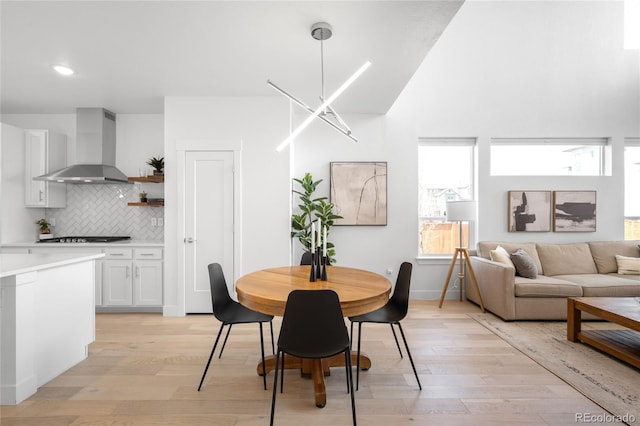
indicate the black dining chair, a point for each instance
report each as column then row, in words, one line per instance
column 306, row 258
column 313, row 327
column 392, row 313
column 230, row 312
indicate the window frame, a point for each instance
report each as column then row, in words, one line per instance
column 602, row 143
column 628, row 143
column 472, row 144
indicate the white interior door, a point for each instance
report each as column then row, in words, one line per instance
column 208, row 224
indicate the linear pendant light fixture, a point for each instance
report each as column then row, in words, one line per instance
column 321, row 31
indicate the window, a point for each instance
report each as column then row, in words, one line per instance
column 548, row 157
column 445, row 173
column 631, row 179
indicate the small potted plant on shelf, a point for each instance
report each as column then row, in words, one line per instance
column 158, row 165
column 45, row 229
column 143, row 197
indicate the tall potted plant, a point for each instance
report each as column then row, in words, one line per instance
column 312, row 209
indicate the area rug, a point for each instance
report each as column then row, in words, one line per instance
column 610, row 383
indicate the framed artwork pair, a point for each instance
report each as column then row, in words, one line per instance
column 531, row 211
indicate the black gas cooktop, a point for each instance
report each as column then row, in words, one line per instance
column 84, row 239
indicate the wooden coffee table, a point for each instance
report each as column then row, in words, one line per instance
column 625, row 311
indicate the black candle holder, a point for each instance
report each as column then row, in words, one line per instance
column 325, row 261
column 312, row 274
column 318, row 263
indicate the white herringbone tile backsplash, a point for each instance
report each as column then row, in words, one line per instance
column 102, row 210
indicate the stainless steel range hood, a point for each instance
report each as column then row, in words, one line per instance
column 95, row 150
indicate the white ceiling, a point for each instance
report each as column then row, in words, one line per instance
column 128, row 55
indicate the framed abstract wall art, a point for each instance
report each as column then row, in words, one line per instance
column 574, row 211
column 529, row 211
column 359, row 192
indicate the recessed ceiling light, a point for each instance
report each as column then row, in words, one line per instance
column 61, row 69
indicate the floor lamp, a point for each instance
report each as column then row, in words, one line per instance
column 461, row 211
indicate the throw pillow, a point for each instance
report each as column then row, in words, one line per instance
column 524, row 264
column 628, row 265
column 500, row 254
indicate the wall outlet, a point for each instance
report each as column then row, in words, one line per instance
column 160, row 221
column 389, row 271
column 154, row 221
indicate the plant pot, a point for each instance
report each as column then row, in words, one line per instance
column 157, row 173
column 45, row 236
column 143, row 200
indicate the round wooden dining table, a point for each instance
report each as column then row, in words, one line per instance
column 359, row 292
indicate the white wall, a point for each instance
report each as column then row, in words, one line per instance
column 138, row 138
column 501, row 69
column 375, row 248
column 494, row 73
column 259, row 123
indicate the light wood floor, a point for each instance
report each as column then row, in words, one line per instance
column 144, row 369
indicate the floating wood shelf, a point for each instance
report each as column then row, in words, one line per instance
column 152, row 179
column 151, row 204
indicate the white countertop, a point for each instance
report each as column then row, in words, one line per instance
column 15, row 264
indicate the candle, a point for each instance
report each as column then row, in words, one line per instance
column 313, row 237
column 319, row 230
column 324, row 240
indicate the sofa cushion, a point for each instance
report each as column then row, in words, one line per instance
column 544, row 286
column 628, row 265
column 485, row 247
column 501, row 255
column 525, row 267
column 605, row 285
column 635, row 278
column 604, row 253
column 563, row 259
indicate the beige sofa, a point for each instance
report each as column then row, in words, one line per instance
column 578, row 269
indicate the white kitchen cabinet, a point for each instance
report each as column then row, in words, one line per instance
column 128, row 279
column 132, row 277
column 147, row 283
column 44, row 152
column 117, row 283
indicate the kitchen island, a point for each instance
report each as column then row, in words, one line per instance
column 47, row 313
column 128, row 279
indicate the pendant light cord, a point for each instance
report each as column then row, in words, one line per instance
column 322, row 71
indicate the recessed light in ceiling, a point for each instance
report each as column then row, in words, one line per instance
column 63, row 70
